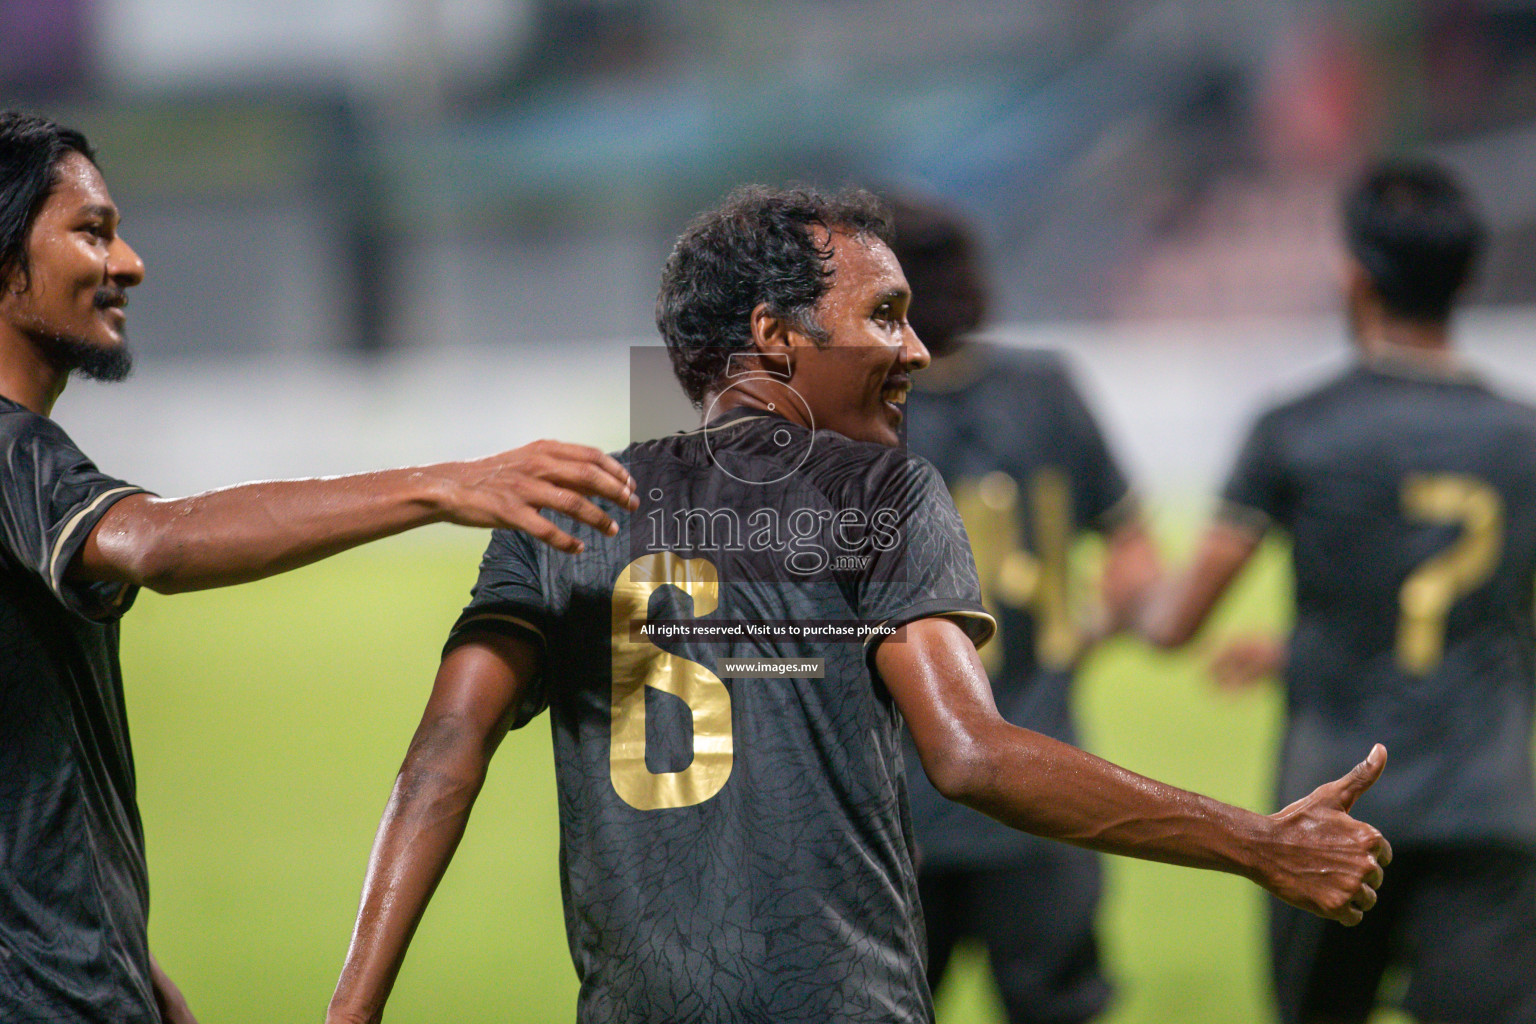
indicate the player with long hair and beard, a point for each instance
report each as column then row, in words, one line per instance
column 76, row 545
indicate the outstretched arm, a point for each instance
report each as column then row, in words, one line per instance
column 1312, row 854
column 255, row 530
column 477, row 691
column 1177, row 608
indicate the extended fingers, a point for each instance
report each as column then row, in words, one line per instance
column 544, row 495
column 535, row 525
column 587, row 470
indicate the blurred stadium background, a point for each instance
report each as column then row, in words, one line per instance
column 381, row 231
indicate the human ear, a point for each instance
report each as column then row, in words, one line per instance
column 773, row 338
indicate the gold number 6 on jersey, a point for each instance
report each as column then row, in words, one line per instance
column 1427, row 595
column 638, row 664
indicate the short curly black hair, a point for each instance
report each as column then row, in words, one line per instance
column 755, row 248
column 1413, row 228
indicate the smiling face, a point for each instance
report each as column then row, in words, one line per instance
column 70, row 304
column 856, row 381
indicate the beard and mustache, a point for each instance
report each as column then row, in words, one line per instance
column 73, row 354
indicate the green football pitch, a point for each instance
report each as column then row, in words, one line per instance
column 269, row 720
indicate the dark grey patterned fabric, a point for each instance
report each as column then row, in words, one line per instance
column 74, row 892
column 788, row 894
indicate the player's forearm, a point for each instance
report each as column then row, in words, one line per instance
column 255, row 530
column 1039, row 785
column 420, row 830
column 1312, row 854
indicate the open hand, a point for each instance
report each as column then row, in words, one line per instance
column 1325, row 861
column 509, row 490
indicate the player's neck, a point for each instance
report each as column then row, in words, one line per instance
column 26, row 377
column 759, row 394
column 1421, row 342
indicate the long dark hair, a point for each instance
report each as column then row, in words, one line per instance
column 30, row 151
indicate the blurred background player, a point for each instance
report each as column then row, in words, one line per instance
column 1030, row 471
column 76, row 545
column 1407, row 485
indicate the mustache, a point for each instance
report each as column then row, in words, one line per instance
column 108, row 298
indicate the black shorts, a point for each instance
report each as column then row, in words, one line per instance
column 1036, row 920
column 1458, row 923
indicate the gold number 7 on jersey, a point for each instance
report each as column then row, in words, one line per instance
column 1427, row 595
column 638, row 664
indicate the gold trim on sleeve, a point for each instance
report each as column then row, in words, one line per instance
column 69, row 529
column 502, row 617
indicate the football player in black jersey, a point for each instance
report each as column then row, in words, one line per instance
column 75, row 546
column 1407, row 485
column 1029, row 470
column 735, row 841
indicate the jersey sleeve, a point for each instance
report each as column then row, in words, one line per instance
column 508, row 600
column 1102, row 497
column 53, row 497
column 923, row 566
column 1255, row 495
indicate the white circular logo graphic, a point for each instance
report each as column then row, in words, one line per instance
column 748, row 467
